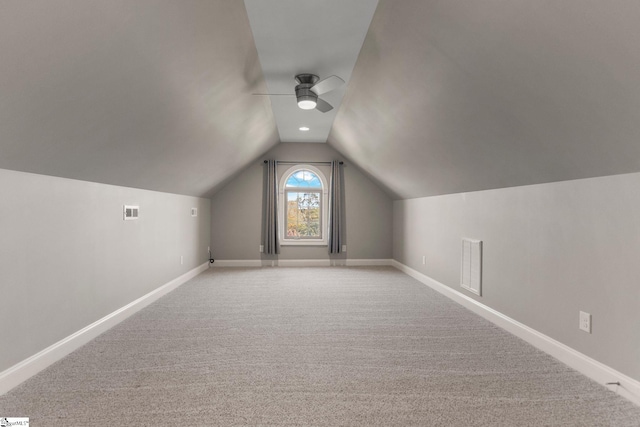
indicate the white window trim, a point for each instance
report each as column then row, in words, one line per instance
column 324, row 214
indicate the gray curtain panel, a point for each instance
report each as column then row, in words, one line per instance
column 336, row 223
column 270, row 210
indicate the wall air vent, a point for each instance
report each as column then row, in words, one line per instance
column 194, row 211
column 130, row 212
column 471, row 269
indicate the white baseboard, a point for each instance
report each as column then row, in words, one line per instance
column 368, row 262
column 331, row 262
column 24, row 370
column 304, row 262
column 237, row 263
column 242, row 263
column 629, row 388
column 299, row 262
column 271, row 263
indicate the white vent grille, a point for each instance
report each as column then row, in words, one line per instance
column 471, row 269
column 130, row 212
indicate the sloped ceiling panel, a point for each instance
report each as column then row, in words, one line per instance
column 457, row 96
column 146, row 94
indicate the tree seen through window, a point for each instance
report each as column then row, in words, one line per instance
column 303, row 195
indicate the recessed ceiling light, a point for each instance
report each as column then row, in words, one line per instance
column 304, row 128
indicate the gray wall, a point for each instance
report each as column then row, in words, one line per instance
column 236, row 211
column 67, row 258
column 550, row 250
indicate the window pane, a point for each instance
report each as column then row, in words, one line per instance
column 303, row 215
column 303, row 179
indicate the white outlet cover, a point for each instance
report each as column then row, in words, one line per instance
column 585, row 322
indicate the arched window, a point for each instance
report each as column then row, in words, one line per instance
column 303, row 206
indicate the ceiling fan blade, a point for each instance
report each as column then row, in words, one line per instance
column 323, row 106
column 327, row 85
column 273, row 94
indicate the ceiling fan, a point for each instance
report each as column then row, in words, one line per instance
column 308, row 90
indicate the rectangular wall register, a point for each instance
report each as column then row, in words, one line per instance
column 130, row 212
column 471, row 268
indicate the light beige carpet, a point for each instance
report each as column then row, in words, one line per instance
column 311, row 346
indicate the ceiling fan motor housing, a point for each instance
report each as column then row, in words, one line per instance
column 310, row 79
column 305, row 96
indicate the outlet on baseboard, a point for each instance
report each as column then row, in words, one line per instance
column 261, row 248
column 585, row 322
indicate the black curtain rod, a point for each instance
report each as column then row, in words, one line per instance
column 308, row 163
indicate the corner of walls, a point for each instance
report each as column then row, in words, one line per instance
column 236, row 217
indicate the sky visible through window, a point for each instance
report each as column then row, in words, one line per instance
column 304, row 179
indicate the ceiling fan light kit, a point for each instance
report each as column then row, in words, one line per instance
column 307, row 102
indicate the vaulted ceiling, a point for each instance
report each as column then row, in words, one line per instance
column 445, row 96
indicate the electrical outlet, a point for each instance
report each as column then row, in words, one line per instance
column 261, row 248
column 585, row 322
column 424, row 260
column 344, row 248
column 208, row 248
column 181, row 259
